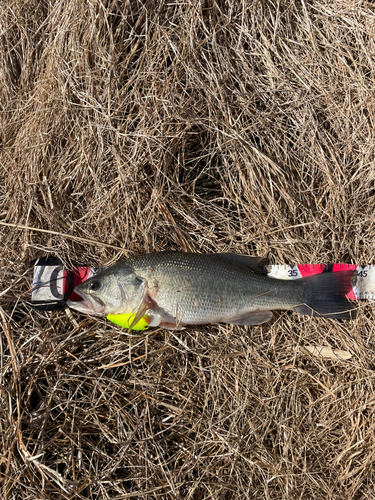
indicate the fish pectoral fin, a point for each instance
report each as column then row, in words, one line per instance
column 171, row 326
column 255, row 264
column 141, row 311
column 253, row 318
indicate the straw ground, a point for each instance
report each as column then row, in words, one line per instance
column 128, row 127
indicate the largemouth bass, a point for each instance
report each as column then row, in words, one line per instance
column 177, row 289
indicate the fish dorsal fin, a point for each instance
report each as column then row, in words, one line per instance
column 256, row 264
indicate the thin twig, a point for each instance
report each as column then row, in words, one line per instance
column 69, row 236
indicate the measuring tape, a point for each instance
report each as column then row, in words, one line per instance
column 363, row 290
column 53, row 283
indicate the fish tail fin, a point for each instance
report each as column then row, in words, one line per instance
column 325, row 295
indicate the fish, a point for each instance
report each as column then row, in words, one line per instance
column 177, row 289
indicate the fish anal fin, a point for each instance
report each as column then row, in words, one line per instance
column 256, row 264
column 253, row 318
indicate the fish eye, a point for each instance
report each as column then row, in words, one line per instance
column 94, row 285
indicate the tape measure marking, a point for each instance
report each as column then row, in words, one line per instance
column 52, row 282
column 363, row 290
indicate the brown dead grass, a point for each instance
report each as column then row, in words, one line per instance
column 201, row 125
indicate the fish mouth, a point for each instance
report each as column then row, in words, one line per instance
column 88, row 305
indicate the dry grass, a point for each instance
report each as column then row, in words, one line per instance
column 204, row 125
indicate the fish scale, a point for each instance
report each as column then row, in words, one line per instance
column 209, row 288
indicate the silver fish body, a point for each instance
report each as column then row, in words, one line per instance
column 191, row 289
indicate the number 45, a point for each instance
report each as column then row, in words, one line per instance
column 362, row 273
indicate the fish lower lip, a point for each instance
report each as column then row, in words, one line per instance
column 87, row 306
column 79, row 305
